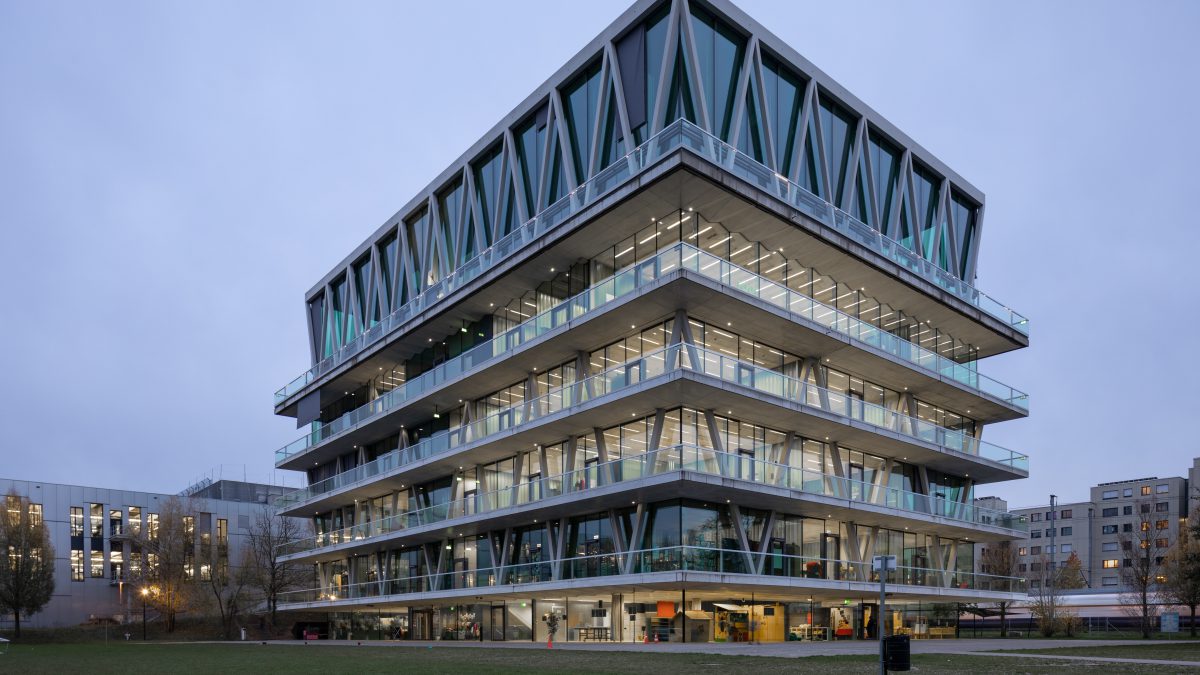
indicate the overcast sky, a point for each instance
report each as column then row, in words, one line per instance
column 175, row 175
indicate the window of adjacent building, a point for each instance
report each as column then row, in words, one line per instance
column 1110, row 494
column 135, row 521
column 1127, row 562
column 97, row 516
column 1036, row 550
column 1108, row 546
column 1162, row 524
column 1145, row 526
column 1035, row 567
column 1036, row 517
column 1036, row 534
column 1067, row 513
column 1049, row 531
column 1162, row 489
column 97, row 565
column 1128, row 492
column 116, row 565
column 77, row 559
column 1128, row 510
column 1023, row 551
column 1110, row 564
column 1108, row 529
column 1108, row 581
column 1109, row 513
column 152, row 525
column 1035, row 583
column 1127, row 527
column 1066, row 531
column 1049, row 515
column 1050, row 551
column 1127, row 546
column 1065, row 548
column 222, row 532
column 1162, row 543
column 1145, row 489
column 1145, row 508
column 1158, row 561
column 115, row 526
column 1162, row 507
column 77, row 524
column 1022, row 567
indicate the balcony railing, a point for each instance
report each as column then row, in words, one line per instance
column 680, row 134
column 664, row 559
column 655, row 364
column 683, row 457
column 631, row 279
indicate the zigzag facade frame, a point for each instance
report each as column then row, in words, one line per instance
column 449, row 234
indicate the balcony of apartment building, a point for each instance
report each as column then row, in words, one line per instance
column 680, row 168
column 676, row 471
column 686, row 372
column 708, row 286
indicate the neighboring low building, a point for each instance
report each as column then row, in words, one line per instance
column 95, row 532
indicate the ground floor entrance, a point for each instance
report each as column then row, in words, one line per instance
column 647, row 617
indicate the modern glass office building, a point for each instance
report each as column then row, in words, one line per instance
column 671, row 353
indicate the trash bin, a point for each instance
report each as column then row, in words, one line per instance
column 896, row 653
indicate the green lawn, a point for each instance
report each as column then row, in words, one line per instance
column 326, row 660
column 1173, row 651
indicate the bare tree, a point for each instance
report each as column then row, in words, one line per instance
column 1001, row 560
column 27, row 562
column 1047, row 604
column 267, row 573
column 223, row 585
column 169, row 545
column 1141, row 571
column 1181, row 572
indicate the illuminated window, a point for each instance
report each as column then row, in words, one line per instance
column 77, row 559
column 1162, row 524
column 1022, row 551
column 222, row 532
column 152, row 525
column 77, row 524
column 1110, row 564
column 1145, row 489
column 98, row 563
column 97, row 516
column 1162, row 543
column 35, row 515
column 135, row 521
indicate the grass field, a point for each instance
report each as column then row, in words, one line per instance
column 298, row 659
column 1189, row 651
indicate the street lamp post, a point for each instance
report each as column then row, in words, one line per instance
column 1053, row 551
column 145, row 592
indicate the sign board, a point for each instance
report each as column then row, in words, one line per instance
column 1169, row 623
column 883, row 562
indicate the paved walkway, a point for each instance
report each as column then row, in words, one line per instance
column 795, row 649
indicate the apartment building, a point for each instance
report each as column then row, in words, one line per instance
column 670, row 354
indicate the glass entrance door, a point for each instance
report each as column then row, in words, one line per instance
column 497, row 616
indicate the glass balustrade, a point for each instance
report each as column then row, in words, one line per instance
column 680, row 134
column 677, row 257
column 656, row 364
column 665, row 559
column 682, row 457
